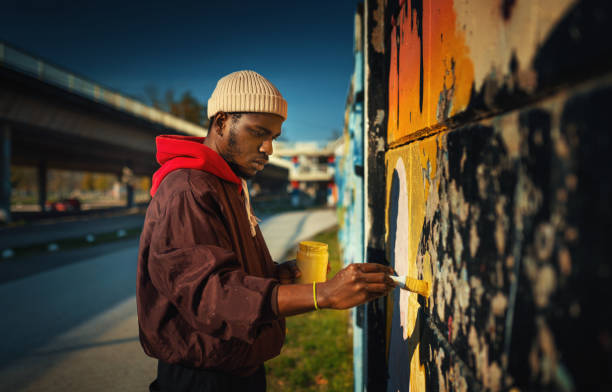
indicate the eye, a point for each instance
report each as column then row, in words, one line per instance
column 257, row 133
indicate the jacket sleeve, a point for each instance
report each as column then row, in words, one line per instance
column 191, row 264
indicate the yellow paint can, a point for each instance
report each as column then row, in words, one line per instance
column 312, row 261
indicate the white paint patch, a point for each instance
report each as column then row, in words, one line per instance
column 401, row 245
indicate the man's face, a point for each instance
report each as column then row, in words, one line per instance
column 247, row 141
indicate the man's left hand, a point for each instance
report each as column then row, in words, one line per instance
column 288, row 272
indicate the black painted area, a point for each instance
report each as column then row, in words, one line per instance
column 506, row 7
column 416, row 8
column 576, row 317
column 535, row 164
column 579, row 47
column 473, row 152
column 376, row 373
column 585, row 341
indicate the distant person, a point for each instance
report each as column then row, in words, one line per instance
column 211, row 301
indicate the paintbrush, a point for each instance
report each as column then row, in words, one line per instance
column 415, row 285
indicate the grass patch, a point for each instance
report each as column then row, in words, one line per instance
column 318, row 350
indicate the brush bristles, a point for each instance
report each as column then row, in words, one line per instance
column 418, row 286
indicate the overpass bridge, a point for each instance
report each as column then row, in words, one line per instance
column 53, row 118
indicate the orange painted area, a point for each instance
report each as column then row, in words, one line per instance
column 431, row 75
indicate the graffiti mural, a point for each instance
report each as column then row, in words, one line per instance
column 486, row 174
column 488, row 214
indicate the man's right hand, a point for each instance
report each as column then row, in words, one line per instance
column 354, row 285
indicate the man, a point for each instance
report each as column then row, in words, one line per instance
column 211, row 302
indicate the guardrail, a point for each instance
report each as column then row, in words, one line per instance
column 30, row 65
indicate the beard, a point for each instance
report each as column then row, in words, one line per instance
column 232, row 152
column 236, row 169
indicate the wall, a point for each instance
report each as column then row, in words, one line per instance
column 497, row 191
column 349, row 177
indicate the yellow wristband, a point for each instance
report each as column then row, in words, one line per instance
column 314, row 295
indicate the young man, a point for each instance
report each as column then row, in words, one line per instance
column 211, row 302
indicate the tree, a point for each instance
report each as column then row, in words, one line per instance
column 187, row 107
column 152, row 97
column 335, row 134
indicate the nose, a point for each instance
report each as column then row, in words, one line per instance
column 266, row 147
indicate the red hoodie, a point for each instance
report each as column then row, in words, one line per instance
column 189, row 152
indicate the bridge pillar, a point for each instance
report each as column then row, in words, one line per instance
column 127, row 178
column 5, row 173
column 129, row 191
column 42, row 184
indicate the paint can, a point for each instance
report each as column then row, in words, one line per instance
column 312, row 261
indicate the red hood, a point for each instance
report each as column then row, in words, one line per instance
column 189, row 152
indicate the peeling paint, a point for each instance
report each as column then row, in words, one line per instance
column 499, row 304
column 565, row 262
column 477, row 289
column 544, row 241
column 544, row 285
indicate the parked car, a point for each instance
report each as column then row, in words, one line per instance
column 64, row 205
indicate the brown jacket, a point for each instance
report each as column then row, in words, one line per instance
column 206, row 290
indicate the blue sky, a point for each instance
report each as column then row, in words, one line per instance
column 305, row 48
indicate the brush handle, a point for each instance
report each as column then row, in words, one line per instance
column 414, row 285
column 400, row 280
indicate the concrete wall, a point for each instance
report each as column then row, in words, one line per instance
column 497, row 190
column 349, row 176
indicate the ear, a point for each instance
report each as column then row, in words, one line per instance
column 221, row 121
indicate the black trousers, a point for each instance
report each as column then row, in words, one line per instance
column 177, row 378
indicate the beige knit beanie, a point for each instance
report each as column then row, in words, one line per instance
column 246, row 91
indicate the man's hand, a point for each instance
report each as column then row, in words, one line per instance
column 354, row 285
column 287, row 272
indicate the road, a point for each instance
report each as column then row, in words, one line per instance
column 53, row 230
column 70, row 323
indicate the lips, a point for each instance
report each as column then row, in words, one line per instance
column 260, row 163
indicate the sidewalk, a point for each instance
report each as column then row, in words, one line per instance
column 284, row 231
column 103, row 353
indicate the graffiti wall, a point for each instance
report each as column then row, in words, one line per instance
column 492, row 121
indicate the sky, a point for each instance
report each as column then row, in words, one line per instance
column 304, row 48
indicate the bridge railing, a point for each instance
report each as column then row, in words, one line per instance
column 22, row 62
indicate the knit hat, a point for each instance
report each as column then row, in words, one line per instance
column 246, row 91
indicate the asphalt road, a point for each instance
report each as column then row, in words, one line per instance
column 74, row 327
column 53, row 230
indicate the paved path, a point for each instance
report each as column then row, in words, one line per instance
column 74, row 327
column 282, row 232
